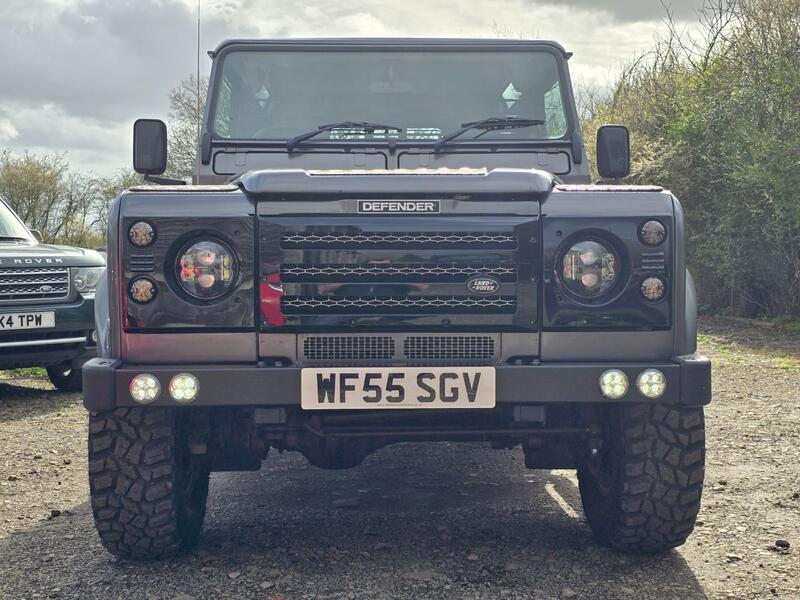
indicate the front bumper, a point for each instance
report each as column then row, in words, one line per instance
column 106, row 383
column 68, row 340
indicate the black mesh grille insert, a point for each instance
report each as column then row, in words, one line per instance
column 337, row 240
column 398, row 305
column 437, row 272
column 348, row 348
column 476, row 347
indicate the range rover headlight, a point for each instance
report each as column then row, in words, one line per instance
column 206, row 269
column 590, row 268
column 85, row 279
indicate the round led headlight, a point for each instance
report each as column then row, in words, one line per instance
column 651, row 383
column 145, row 388
column 141, row 234
column 614, row 384
column 653, row 288
column 184, row 387
column 589, row 269
column 206, row 269
column 652, row 233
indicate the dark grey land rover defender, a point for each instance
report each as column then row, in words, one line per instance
column 387, row 241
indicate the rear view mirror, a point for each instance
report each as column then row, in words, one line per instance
column 149, row 146
column 613, row 151
column 37, row 235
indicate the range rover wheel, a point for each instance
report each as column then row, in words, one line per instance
column 642, row 492
column 65, row 378
column 148, row 492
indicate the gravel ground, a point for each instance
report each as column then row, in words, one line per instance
column 422, row 521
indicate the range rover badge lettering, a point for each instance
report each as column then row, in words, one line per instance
column 398, row 206
column 482, row 284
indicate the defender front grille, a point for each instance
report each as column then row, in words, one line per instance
column 34, row 283
column 476, row 347
column 398, row 305
column 434, row 272
column 413, row 240
column 334, row 347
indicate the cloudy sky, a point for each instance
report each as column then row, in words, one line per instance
column 74, row 74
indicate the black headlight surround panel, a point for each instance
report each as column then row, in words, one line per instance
column 623, row 308
column 173, row 309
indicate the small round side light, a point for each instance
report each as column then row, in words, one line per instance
column 141, row 234
column 142, row 290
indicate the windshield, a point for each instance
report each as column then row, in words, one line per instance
column 10, row 226
column 275, row 94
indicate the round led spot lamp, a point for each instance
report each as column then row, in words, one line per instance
column 652, row 383
column 614, row 384
column 145, row 388
column 184, row 387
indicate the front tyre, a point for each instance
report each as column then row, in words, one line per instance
column 148, row 491
column 641, row 493
column 65, row 378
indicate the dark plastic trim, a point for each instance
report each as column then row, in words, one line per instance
column 106, row 383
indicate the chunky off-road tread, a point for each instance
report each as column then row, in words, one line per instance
column 138, row 482
column 65, row 378
column 657, row 462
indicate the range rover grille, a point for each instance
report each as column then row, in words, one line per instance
column 34, row 283
column 398, row 305
column 336, row 347
column 412, row 240
column 434, row 272
column 475, row 347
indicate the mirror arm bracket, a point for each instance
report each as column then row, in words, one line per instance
column 577, row 147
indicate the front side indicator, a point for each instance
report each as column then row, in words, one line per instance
column 145, row 388
column 141, row 234
column 652, row 233
column 184, row 387
column 614, row 384
column 142, row 290
column 653, row 289
column 651, row 383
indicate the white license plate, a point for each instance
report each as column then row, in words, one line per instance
column 32, row 320
column 405, row 387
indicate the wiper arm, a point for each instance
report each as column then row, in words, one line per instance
column 490, row 124
column 366, row 126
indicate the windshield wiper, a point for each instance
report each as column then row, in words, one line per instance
column 13, row 238
column 490, row 124
column 365, row 126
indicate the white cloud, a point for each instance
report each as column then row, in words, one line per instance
column 76, row 73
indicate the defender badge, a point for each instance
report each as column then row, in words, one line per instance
column 405, row 207
column 482, row 284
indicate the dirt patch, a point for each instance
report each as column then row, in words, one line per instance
column 422, row 521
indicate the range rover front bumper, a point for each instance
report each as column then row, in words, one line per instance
column 106, row 383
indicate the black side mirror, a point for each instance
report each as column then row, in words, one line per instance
column 613, row 151
column 149, row 146
column 37, row 235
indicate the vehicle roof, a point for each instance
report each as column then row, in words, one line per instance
column 396, row 43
